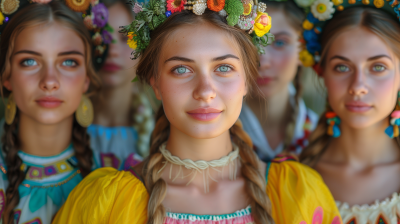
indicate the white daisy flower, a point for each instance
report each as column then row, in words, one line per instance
column 322, row 9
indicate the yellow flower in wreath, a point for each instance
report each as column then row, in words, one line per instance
column 1, row 18
column 131, row 42
column 306, row 58
column 262, row 24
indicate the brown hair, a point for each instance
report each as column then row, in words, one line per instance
column 147, row 69
column 33, row 15
column 378, row 22
column 295, row 16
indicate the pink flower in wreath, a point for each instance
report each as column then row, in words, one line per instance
column 175, row 5
column 319, row 216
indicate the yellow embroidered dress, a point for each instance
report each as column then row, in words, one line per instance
column 298, row 196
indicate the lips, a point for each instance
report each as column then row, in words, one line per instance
column 205, row 114
column 49, row 102
column 264, row 80
column 111, row 67
column 357, row 106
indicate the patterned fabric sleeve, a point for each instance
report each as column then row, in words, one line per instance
column 106, row 196
column 299, row 195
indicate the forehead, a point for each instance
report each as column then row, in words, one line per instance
column 280, row 22
column 119, row 15
column 49, row 38
column 358, row 44
column 199, row 41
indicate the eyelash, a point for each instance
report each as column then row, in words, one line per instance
column 225, row 65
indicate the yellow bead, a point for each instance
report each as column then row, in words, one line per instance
column 379, row 3
column 337, row 2
column 340, row 8
column 395, row 131
column 307, row 25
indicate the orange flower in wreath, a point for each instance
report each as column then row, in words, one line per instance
column 216, row 5
column 175, row 5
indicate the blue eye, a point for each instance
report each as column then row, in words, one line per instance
column 279, row 43
column 378, row 68
column 29, row 62
column 224, row 68
column 342, row 68
column 181, row 70
column 69, row 63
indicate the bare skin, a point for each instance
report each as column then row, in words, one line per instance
column 113, row 106
column 363, row 164
column 204, row 81
column 279, row 63
column 50, row 63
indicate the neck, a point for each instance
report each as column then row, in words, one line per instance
column 364, row 147
column 113, row 106
column 274, row 112
column 44, row 139
column 186, row 147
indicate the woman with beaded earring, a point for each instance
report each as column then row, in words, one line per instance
column 123, row 114
column 276, row 117
column 201, row 168
column 356, row 147
column 46, row 69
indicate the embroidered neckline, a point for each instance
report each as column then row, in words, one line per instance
column 201, row 166
column 395, row 198
column 192, row 217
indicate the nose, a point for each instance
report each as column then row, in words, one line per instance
column 204, row 90
column 114, row 48
column 358, row 86
column 49, row 79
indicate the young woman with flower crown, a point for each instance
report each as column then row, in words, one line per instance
column 356, row 145
column 276, row 117
column 45, row 148
column 201, row 168
column 124, row 117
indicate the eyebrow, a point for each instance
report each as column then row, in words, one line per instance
column 27, row 52
column 60, row 54
column 369, row 59
column 378, row 56
column 221, row 58
column 225, row 57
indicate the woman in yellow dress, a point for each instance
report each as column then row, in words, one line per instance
column 201, row 168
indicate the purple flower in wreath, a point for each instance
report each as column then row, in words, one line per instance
column 107, row 38
column 100, row 15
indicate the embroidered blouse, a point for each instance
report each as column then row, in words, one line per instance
column 381, row 212
column 49, row 180
column 306, row 122
column 298, row 196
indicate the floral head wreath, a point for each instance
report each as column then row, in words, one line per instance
column 321, row 11
column 94, row 14
column 248, row 15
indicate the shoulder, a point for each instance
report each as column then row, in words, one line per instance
column 110, row 195
column 297, row 187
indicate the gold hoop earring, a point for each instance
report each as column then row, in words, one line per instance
column 84, row 113
column 11, row 110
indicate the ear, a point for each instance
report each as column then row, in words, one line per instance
column 155, row 88
column 7, row 85
column 86, row 85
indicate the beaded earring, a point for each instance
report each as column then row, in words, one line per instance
column 393, row 130
column 333, row 121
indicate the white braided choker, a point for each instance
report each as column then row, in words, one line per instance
column 201, row 166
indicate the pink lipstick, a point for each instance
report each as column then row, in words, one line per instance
column 49, row 102
column 358, row 106
column 205, row 114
